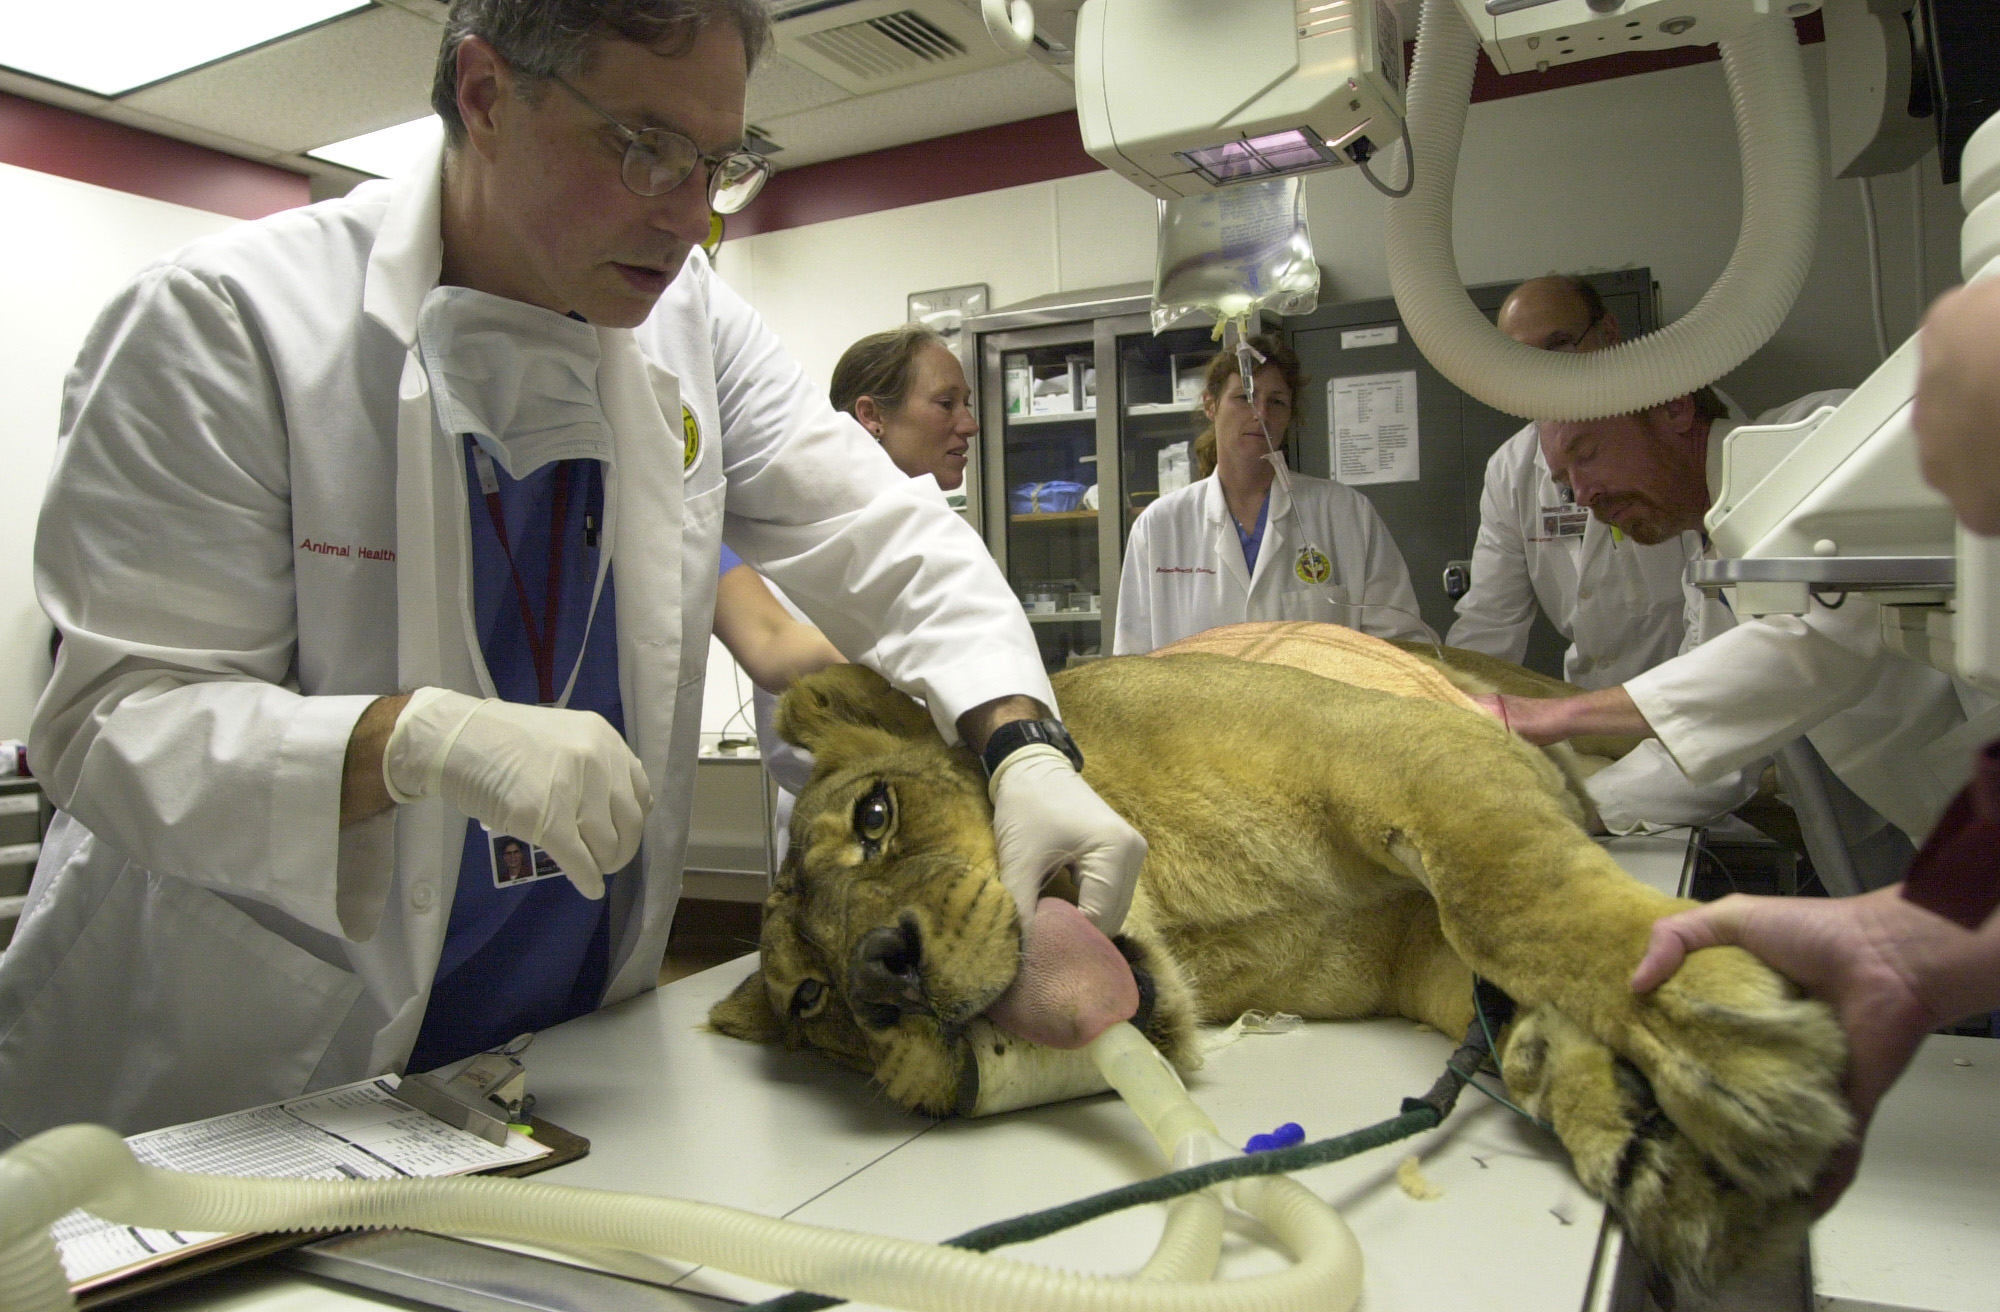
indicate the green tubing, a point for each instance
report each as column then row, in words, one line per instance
column 1160, row 1189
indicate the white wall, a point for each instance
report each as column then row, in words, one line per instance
column 69, row 246
column 1636, row 171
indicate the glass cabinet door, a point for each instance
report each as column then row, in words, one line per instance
column 1047, row 409
column 1159, row 414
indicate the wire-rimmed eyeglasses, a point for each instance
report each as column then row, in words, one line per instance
column 657, row 161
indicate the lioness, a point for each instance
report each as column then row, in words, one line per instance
column 1320, row 848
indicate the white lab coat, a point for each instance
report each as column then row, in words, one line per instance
column 1184, row 569
column 254, row 529
column 1618, row 603
column 1900, row 735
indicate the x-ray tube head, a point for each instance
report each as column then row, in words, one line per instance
column 1186, row 96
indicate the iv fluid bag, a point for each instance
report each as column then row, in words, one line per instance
column 1235, row 251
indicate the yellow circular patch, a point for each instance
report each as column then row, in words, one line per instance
column 1312, row 566
column 690, row 439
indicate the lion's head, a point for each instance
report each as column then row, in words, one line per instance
column 889, row 929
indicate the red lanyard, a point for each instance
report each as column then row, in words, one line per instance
column 542, row 640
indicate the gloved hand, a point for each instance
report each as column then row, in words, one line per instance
column 1046, row 817
column 563, row 780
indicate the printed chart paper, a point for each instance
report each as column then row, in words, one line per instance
column 356, row 1132
column 1373, row 421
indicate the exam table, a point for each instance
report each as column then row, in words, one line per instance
column 670, row 1109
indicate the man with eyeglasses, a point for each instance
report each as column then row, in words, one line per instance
column 331, row 544
column 1617, row 601
column 1893, row 734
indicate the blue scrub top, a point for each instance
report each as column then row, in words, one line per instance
column 529, row 955
column 1253, row 541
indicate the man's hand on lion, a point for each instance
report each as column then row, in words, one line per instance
column 1892, row 970
column 1046, row 817
column 1544, row 720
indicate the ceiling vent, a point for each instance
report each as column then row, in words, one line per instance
column 884, row 47
column 864, row 46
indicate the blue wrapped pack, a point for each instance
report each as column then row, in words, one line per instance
column 1046, row 498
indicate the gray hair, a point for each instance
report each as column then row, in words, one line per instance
column 555, row 38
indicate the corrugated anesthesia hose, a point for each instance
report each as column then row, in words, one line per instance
column 1778, row 144
column 91, row 1167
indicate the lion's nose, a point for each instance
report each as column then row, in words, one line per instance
column 886, row 980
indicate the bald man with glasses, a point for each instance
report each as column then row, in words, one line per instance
column 1618, row 603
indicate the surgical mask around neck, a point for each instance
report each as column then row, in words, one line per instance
column 522, row 380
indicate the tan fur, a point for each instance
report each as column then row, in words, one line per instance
column 1333, row 851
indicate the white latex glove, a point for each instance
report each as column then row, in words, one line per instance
column 1046, row 817
column 563, row 780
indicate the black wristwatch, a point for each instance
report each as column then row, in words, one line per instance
column 1016, row 734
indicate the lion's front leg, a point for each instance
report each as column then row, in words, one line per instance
column 1693, row 1220
column 1702, row 1112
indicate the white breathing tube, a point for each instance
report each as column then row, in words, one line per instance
column 89, row 1166
column 1777, row 140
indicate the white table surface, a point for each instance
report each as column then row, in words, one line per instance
column 1920, row 1229
column 671, row 1109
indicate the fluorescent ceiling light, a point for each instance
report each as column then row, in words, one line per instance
column 114, row 46
column 389, row 153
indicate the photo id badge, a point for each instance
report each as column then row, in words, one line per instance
column 1564, row 521
column 517, row 861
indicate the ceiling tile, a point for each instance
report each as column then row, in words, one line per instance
column 334, row 82
column 148, row 41
column 1005, row 94
column 780, row 87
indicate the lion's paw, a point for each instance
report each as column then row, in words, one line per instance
column 1695, row 1219
column 1746, row 1069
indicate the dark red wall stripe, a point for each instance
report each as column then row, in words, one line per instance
column 986, row 159
column 1042, row 149
column 72, row 145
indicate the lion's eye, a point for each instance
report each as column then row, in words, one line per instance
column 874, row 813
column 807, row 999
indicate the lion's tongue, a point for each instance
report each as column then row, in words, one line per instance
column 1073, row 984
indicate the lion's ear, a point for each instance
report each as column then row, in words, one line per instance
column 747, row 1014
column 841, row 696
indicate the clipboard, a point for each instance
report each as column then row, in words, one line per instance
column 564, row 1147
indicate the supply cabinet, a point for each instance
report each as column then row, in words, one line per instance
column 1085, row 419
